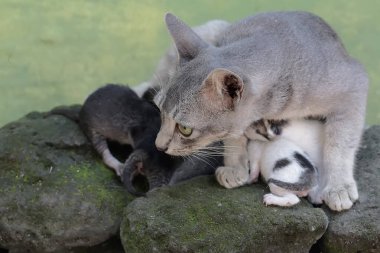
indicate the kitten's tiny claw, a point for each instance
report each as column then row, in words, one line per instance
column 339, row 198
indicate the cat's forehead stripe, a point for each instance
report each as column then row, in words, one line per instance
column 173, row 113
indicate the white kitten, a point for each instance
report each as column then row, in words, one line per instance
column 288, row 162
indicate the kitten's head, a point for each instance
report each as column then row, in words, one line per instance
column 200, row 98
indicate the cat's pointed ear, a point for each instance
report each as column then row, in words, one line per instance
column 223, row 88
column 188, row 43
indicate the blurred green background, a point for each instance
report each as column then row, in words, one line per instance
column 56, row 52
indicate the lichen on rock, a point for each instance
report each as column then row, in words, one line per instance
column 57, row 196
column 201, row 216
column 55, row 192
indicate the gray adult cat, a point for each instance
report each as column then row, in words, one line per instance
column 279, row 65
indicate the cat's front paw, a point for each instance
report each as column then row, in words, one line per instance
column 340, row 197
column 230, row 177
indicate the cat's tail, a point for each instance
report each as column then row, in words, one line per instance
column 70, row 112
column 128, row 176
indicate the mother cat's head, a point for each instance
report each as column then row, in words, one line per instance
column 200, row 102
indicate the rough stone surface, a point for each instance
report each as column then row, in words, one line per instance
column 55, row 193
column 201, row 216
column 112, row 245
column 57, row 196
column 358, row 230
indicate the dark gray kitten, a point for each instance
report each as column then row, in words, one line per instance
column 116, row 113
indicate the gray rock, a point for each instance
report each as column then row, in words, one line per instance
column 57, row 196
column 358, row 230
column 55, row 193
column 112, row 245
column 201, row 216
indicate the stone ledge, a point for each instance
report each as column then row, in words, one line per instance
column 57, row 196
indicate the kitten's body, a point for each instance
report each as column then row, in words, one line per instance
column 115, row 112
column 287, row 159
column 279, row 65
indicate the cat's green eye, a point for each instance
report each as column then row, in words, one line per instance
column 185, row 131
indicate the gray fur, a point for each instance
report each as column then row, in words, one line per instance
column 291, row 65
column 115, row 112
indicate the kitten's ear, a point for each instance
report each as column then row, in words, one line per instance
column 223, row 88
column 188, row 43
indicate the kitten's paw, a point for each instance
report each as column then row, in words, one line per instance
column 287, row 200
column 340, row 197
column 230, row 177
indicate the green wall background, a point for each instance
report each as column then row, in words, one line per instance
column 56, row 52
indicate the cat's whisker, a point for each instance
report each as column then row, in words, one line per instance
column 211, row 152
column 208, row 149
column 208, row 156
column 199, row 157
column 230, row 150
column 190, row 158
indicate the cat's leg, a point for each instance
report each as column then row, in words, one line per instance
column 255, row 149
column 337, row 186
column 235, row 171
column 100, row 145
column 280, row 197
